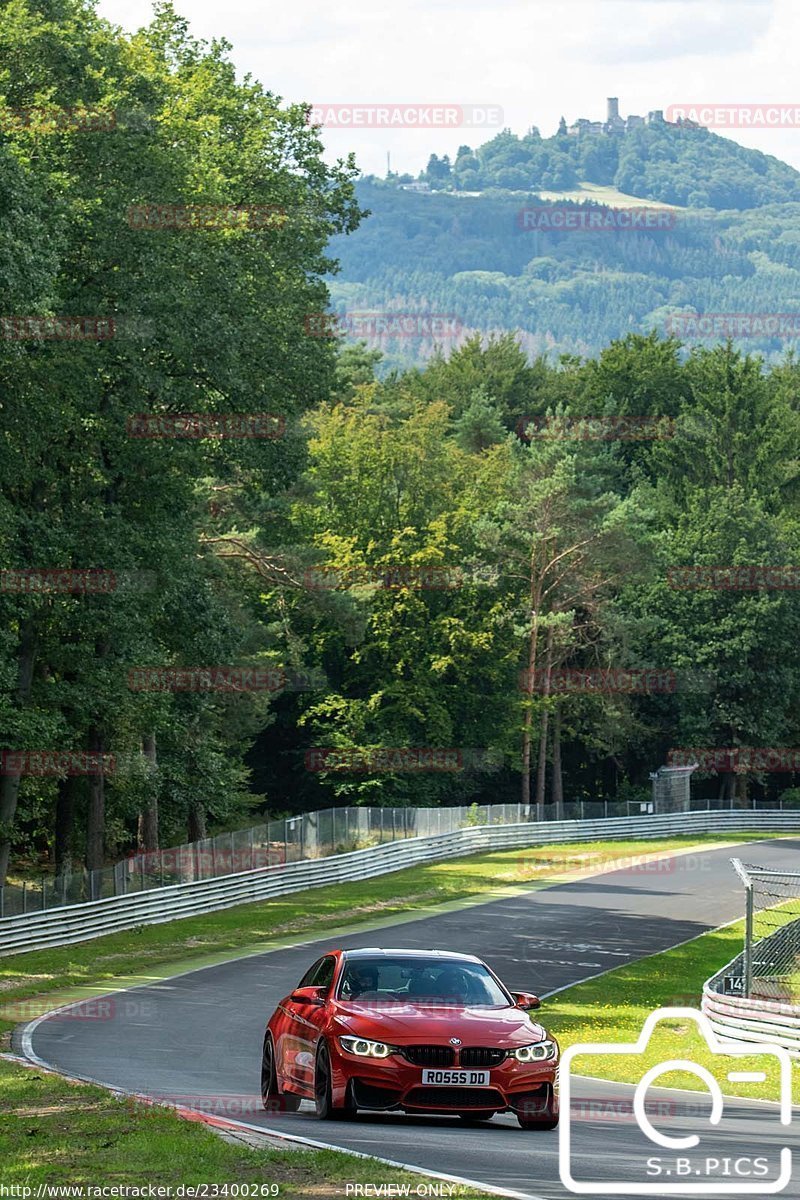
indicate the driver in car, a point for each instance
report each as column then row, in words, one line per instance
column 359, row 981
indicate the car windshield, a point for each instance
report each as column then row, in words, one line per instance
column 387, row 980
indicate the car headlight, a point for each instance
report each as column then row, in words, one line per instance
column 364, row 1048
column 537, row 1052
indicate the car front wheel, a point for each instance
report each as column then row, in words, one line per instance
column 273, row 1099
column 323, row 1089
column 543, row 1118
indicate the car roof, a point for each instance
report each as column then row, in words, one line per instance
column 372, row 951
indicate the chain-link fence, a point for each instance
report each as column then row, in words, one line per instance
column 308, row 835
column 770, row 964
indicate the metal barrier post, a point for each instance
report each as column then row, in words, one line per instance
column 748, row 941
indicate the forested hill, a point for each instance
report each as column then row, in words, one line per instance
column 565, row 291
column 671, row 163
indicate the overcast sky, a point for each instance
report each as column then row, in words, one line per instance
column 534, row 59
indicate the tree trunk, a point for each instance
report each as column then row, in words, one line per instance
column 197, row 823
column 541, row 772
column 558, row 782
column 528, row 721
column 96, row 817
column 741, row 784
column 148, row 817
column 66, row 795
column 9, row 784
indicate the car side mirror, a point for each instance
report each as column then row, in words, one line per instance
column 526, row 1000
column 309, row 995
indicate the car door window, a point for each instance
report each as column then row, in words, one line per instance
column 321, row 974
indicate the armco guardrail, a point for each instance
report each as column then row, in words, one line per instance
column 749, row 1019
column 80, row 922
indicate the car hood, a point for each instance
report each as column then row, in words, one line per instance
column 411, row 1022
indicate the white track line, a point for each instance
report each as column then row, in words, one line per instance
column 32, row 1057
column 209, row 1119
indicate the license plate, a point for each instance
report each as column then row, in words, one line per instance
column 459, row 1078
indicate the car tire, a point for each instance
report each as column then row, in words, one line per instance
column 547, row 1120
column 323, row 1089
column 272, row 1098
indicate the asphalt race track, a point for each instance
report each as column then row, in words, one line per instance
column 196, row 1039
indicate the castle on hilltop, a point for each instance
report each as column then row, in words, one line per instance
column 614, row 123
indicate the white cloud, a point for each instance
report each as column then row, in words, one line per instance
column 536, row 59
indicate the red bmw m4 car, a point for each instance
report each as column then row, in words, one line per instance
column 422, row 1031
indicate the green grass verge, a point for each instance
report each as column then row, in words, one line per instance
column 157, row 950
column 614, row 1007
column 55, row 1131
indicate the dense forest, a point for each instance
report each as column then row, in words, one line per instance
column 563, row 291
column 230, row 548
column 679, row 164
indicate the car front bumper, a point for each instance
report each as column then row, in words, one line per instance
column 394, row 1083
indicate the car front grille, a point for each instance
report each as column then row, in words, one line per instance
column 454, row 1097
column 481, row 1056
column 429, row 1056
